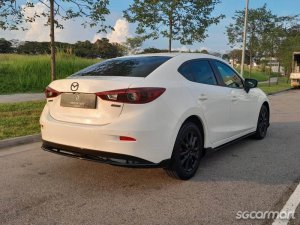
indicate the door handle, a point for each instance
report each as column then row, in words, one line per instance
column 203, row 97
column 234, row 98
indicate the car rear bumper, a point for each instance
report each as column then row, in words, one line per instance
column 101, row 157
column 152, row 143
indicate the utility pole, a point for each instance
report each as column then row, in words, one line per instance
column 52, row 42
column 244, row 37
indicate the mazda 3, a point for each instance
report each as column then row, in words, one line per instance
column 154, row 110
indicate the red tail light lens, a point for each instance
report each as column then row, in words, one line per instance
column 132, row 95
column 51, row 93
column 125, row 138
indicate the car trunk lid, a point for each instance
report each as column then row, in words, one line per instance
column 78, row 102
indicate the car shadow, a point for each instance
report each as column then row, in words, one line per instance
column 273, row 160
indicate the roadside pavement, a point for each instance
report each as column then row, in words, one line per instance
column 272, row 80
column 13, row 98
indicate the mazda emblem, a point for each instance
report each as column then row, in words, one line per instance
column 74, row 86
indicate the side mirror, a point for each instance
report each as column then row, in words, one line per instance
column 250, row 83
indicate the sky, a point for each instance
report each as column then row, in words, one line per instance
column 216, row 41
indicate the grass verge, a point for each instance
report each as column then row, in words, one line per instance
column 256, row 74
column 31, row 73
column 260, row 76
column 273, row 88
column 20, row 119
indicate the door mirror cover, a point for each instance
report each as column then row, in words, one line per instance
column 250, row 83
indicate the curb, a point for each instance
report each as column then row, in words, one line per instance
column 19, row 141
column 274, row 93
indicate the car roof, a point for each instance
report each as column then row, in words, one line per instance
column 181, row 55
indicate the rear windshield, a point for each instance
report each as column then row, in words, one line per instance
column 125, row 67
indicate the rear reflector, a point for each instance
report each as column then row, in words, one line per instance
column 124, row 138
column 132, row 95
column 51, row 93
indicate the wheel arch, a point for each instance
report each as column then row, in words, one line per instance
column 268, row 107
column 201, row 125
column 196, row 120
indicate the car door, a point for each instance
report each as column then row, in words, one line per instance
column 243, row 105
column 208, row 96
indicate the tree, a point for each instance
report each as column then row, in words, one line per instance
column 134, row 44
column 217, row 54
column 286, row 48
column 225, row 57
column 5, row 46
column 153, row 50
column 259, row 21
column 12, row 16
column 34, row 47
column 117, row 50
column 106, row 50
column 183, row 20
column 266, row 31
column 204, row 51
column 236, row 56
column 85, row 49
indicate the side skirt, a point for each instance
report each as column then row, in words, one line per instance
column 231, row 142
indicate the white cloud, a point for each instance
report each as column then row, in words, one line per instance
column 37, row 30
column 72, row 32
column 97, row 36
column 120, row 33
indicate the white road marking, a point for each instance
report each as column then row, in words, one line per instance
column 290, row 206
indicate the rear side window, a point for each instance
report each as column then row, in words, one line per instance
column 125, row 67
column 198, row 71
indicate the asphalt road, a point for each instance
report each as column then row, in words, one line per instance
column 38, row 187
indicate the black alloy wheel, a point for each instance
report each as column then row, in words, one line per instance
column 188, row 151
column 262, row 123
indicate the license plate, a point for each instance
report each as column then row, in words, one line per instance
column 78, row 100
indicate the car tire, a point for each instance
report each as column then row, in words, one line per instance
column 262, row 123
column 187, row 152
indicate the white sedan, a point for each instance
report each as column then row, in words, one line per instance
column 157, row 110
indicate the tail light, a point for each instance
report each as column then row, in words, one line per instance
column 132, row 95
column 51, row 93
column 125, row 138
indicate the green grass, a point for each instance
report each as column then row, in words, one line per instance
column 258, row 75
column 273, row 88
column 31, row 73
column 19, row 119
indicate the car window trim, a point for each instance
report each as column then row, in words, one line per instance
column 220, row 76
column 219, row 79
column 197, row 60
